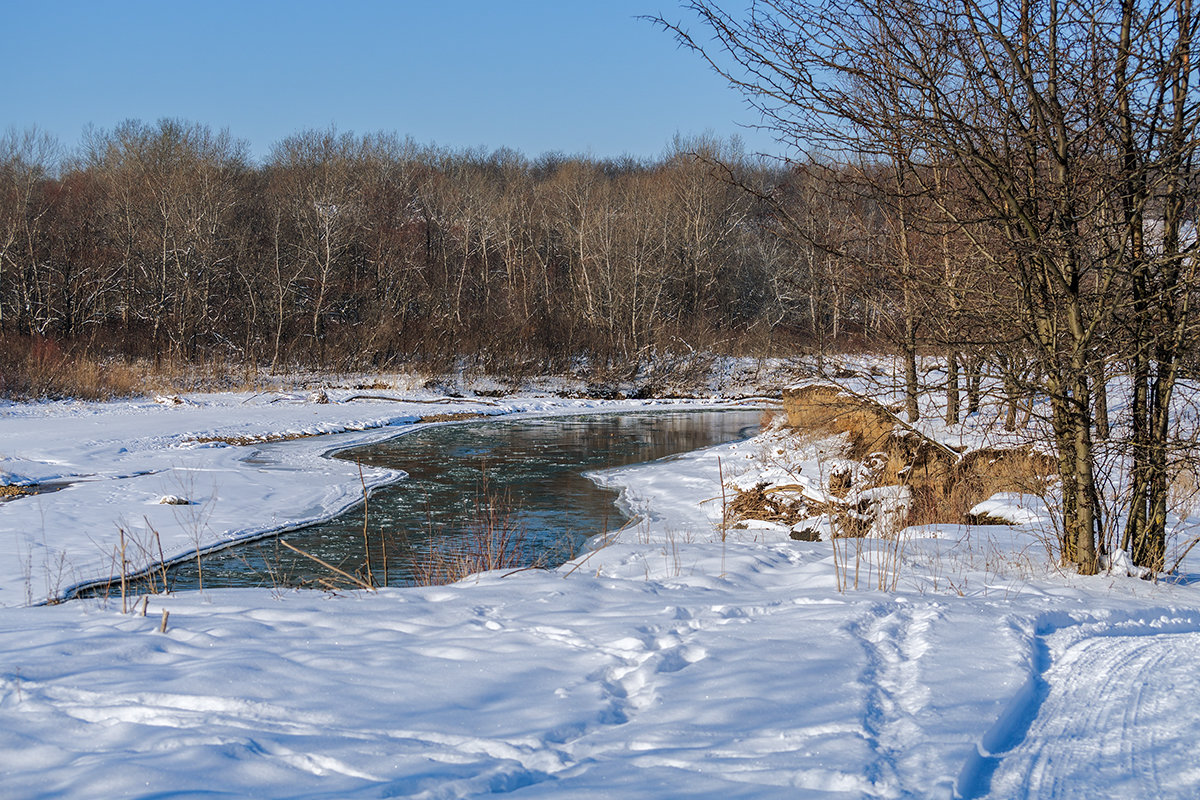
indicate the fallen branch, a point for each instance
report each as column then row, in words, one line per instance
column 441, row 400
column 356, row 580
column 1183, row 555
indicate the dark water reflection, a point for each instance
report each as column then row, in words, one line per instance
column 532, row 468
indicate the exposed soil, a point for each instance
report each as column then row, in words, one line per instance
column 943, row 483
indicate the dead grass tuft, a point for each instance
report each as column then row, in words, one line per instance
column 37, row 367
column 828, row 411
column 762, row 503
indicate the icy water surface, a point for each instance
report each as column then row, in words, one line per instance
column 531, row 471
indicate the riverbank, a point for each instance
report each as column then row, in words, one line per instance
column 168, row 476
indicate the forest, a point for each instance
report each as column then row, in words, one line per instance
column 164, row 240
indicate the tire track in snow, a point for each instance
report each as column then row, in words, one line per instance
column 1107, row 715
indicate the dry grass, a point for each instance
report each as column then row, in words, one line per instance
column 768, row 504
column 827, row 411
column 494, row 541
column 457, row 417
column 37, row 367
column 246, row 441
column 944, row 484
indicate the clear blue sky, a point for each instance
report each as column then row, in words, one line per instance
column 577, row 76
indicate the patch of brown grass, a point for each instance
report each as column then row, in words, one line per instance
column 39, row 368
column 764, row 504
column 828, row 411
column 246, row 441
column 456, row 417
column 945, row 485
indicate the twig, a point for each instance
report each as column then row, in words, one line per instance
column 162, row 628
column 605, row 543
column 366, row 540
column 522, row 569
column 353, row 578
column 124, row 606
column 724, row 513
column 285, row 397
column 724, row 501
column 1183, row 555
column 162, row 559
column 260, row 394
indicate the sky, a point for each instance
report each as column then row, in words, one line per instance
column 570, row 76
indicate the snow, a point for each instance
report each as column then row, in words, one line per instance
column 670, row 660
column 1018, row 509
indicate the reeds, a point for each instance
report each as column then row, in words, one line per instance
column 35, row 367
column 495, row 540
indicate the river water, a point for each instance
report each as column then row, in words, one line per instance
column 526, row 476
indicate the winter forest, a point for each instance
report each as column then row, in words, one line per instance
column 162, row 239
column 957, row 317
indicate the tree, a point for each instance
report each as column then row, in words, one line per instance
column 316, row 180
column 172, row 189
column 28, row 160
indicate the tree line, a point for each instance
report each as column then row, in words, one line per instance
column 165, row 240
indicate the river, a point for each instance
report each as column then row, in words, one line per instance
column 526, row 476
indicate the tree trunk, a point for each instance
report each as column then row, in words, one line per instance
column 1100, row 397
column 952, row 388
column 974, row 383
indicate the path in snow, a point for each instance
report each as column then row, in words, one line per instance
column 1111, row 716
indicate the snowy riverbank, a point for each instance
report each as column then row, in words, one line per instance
column 665, row 664
column 247, row 464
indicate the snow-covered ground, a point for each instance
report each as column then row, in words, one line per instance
column 663, row 663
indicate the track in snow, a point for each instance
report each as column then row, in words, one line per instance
column 1111, row 716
